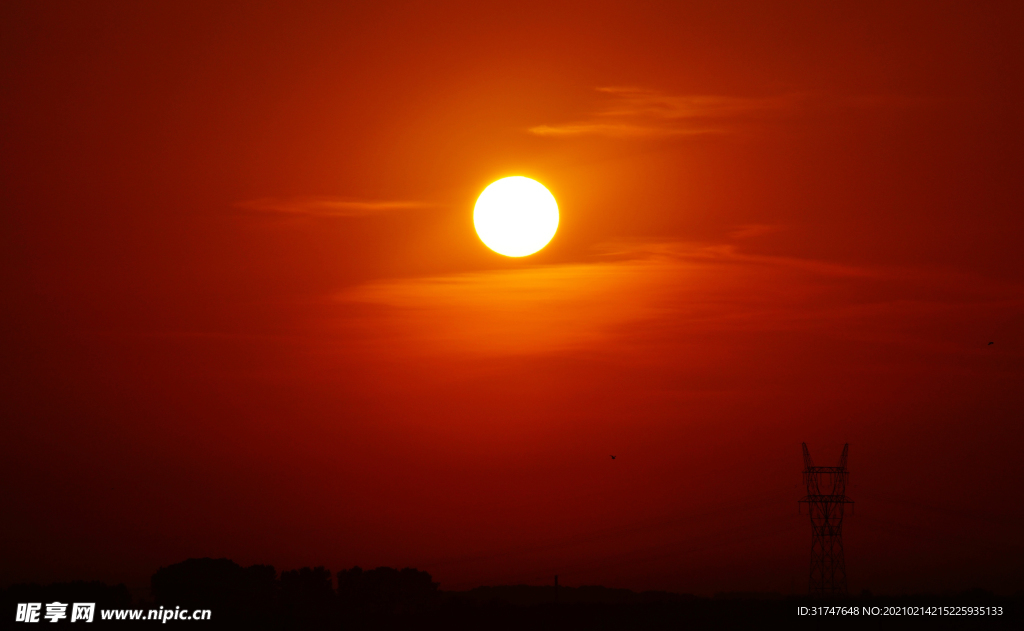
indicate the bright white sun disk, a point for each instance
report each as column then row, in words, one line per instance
column 516, row 216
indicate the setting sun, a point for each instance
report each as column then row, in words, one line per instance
column 516, row 216
column 250, row 336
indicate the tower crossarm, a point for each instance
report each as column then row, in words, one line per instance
column 835, row 499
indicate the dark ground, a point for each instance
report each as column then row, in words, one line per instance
column 385, row 598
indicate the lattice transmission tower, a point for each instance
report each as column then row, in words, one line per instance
column 826, row 499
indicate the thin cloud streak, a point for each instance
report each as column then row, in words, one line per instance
column 620, row 130
column 327, row 206
column 751, row 230
column 632, row 112
column 638, row 112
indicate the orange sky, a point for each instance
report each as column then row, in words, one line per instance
column 246, row 313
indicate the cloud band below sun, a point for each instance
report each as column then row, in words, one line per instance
column 658, row 294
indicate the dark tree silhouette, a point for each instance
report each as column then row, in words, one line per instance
column 307, row 585
column 386, row 590
column 231, row 591
column 307, row 595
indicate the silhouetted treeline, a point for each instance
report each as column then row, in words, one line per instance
column 111, row 597
column 254, row 596
column 387, row 591
column 249, row 594
column 385, row 598
column 530, row 595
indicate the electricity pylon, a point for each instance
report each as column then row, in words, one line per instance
column 826, row 499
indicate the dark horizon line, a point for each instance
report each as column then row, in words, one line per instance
column 555, row 585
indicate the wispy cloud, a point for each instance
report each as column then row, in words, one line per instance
column 751, row 230
column 638, row 112
column 326, row 206
column 513, row 312
column 656, row 294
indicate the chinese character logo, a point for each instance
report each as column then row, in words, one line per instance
column 56, row 611
column 28, row 612
column 83, row 611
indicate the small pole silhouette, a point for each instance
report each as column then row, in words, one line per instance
column 826, row 499
column 556, row 588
